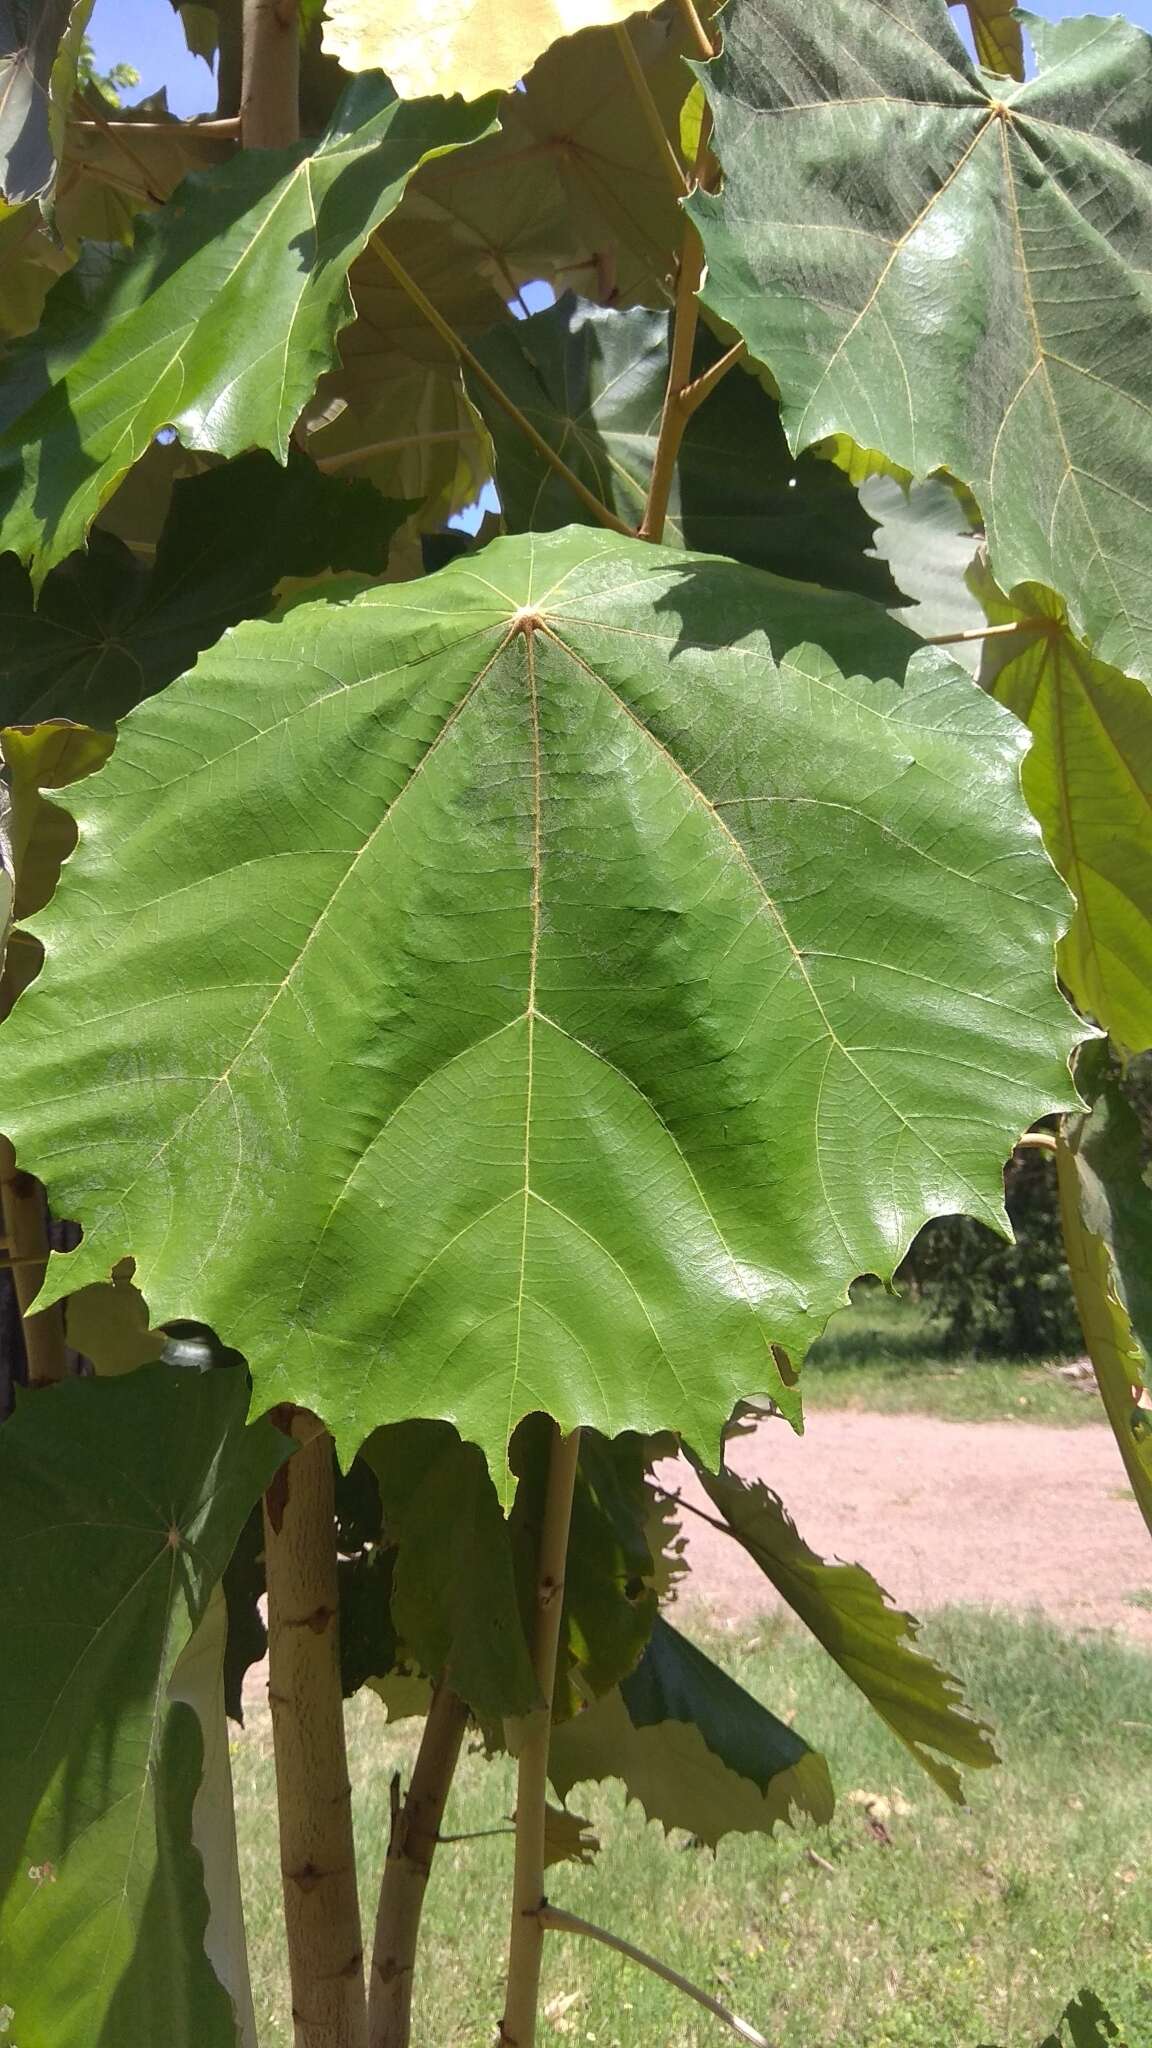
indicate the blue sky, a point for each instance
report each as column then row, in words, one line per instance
column 147, row 33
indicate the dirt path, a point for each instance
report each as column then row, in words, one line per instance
column 995, row 1514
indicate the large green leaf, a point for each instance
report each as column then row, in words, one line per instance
column 693, row 1747
column 592, row 382
column 217, row 323
column 1088, row 779
column 952, row 269
column 547, row 987
column 452, row 1595
column 120, row 1501
column 39, row 49
column 872, row 1641
column 108, row 631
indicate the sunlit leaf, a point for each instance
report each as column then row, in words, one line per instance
column 217, row 323
column 37, row 836
column 997, row 35
column 951, row 268
column 443, row 47
column 120, row 1501
column 1088, row 779
column 693, row 1747
column 872, row 1641
column 608, row 980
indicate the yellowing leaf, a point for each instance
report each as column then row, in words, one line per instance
column 447, row 46
column 997, row 36
column 1088, row 781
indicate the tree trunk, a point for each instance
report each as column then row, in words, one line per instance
column 317, row 1855
column 415, row 1833
column 526, row 1944
column 270, row 91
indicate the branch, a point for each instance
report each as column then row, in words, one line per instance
column 411, row 1847
column 677, row 411
column 229, row 124
column 526, row 1944
column 270, row 90
column 463, row 354
column 650, row 110
column 990, row 632
column 314, row 1798
column 695, row 393
column 22, row 1205
column 696, row 29
column 570, row 1923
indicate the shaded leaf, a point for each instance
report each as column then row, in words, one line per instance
column 445, row 48
column 200, row 1681
column 108, row 174
column 108, row 631
column 451, row 1593
column 1088, row 780
column 567, row 191
column 873, row 1642
column 608, row 983
column 1084, row 2023
column 610, row 1596
column 1092, row 1192
column 997, row 35
column 911, row 247
column 39, row 50
column 1110, row 1153
column 243, row 1588
column 592, row 382
column 103, row 1910
column 369, row 1646
column 693, row 1747
column 568, row 1837
column 217, row 323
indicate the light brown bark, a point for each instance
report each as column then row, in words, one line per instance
column 317, row 1855
column 270, row 88
column 526, row 1943
column 411, row 1848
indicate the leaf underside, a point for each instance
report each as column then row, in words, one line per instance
column 542, row 987
column 951, row 268
column 873, row 1642
column 693, row 1747
column 120, row 1502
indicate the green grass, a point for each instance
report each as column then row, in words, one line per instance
column 973, row 1927
column 885, row 1355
